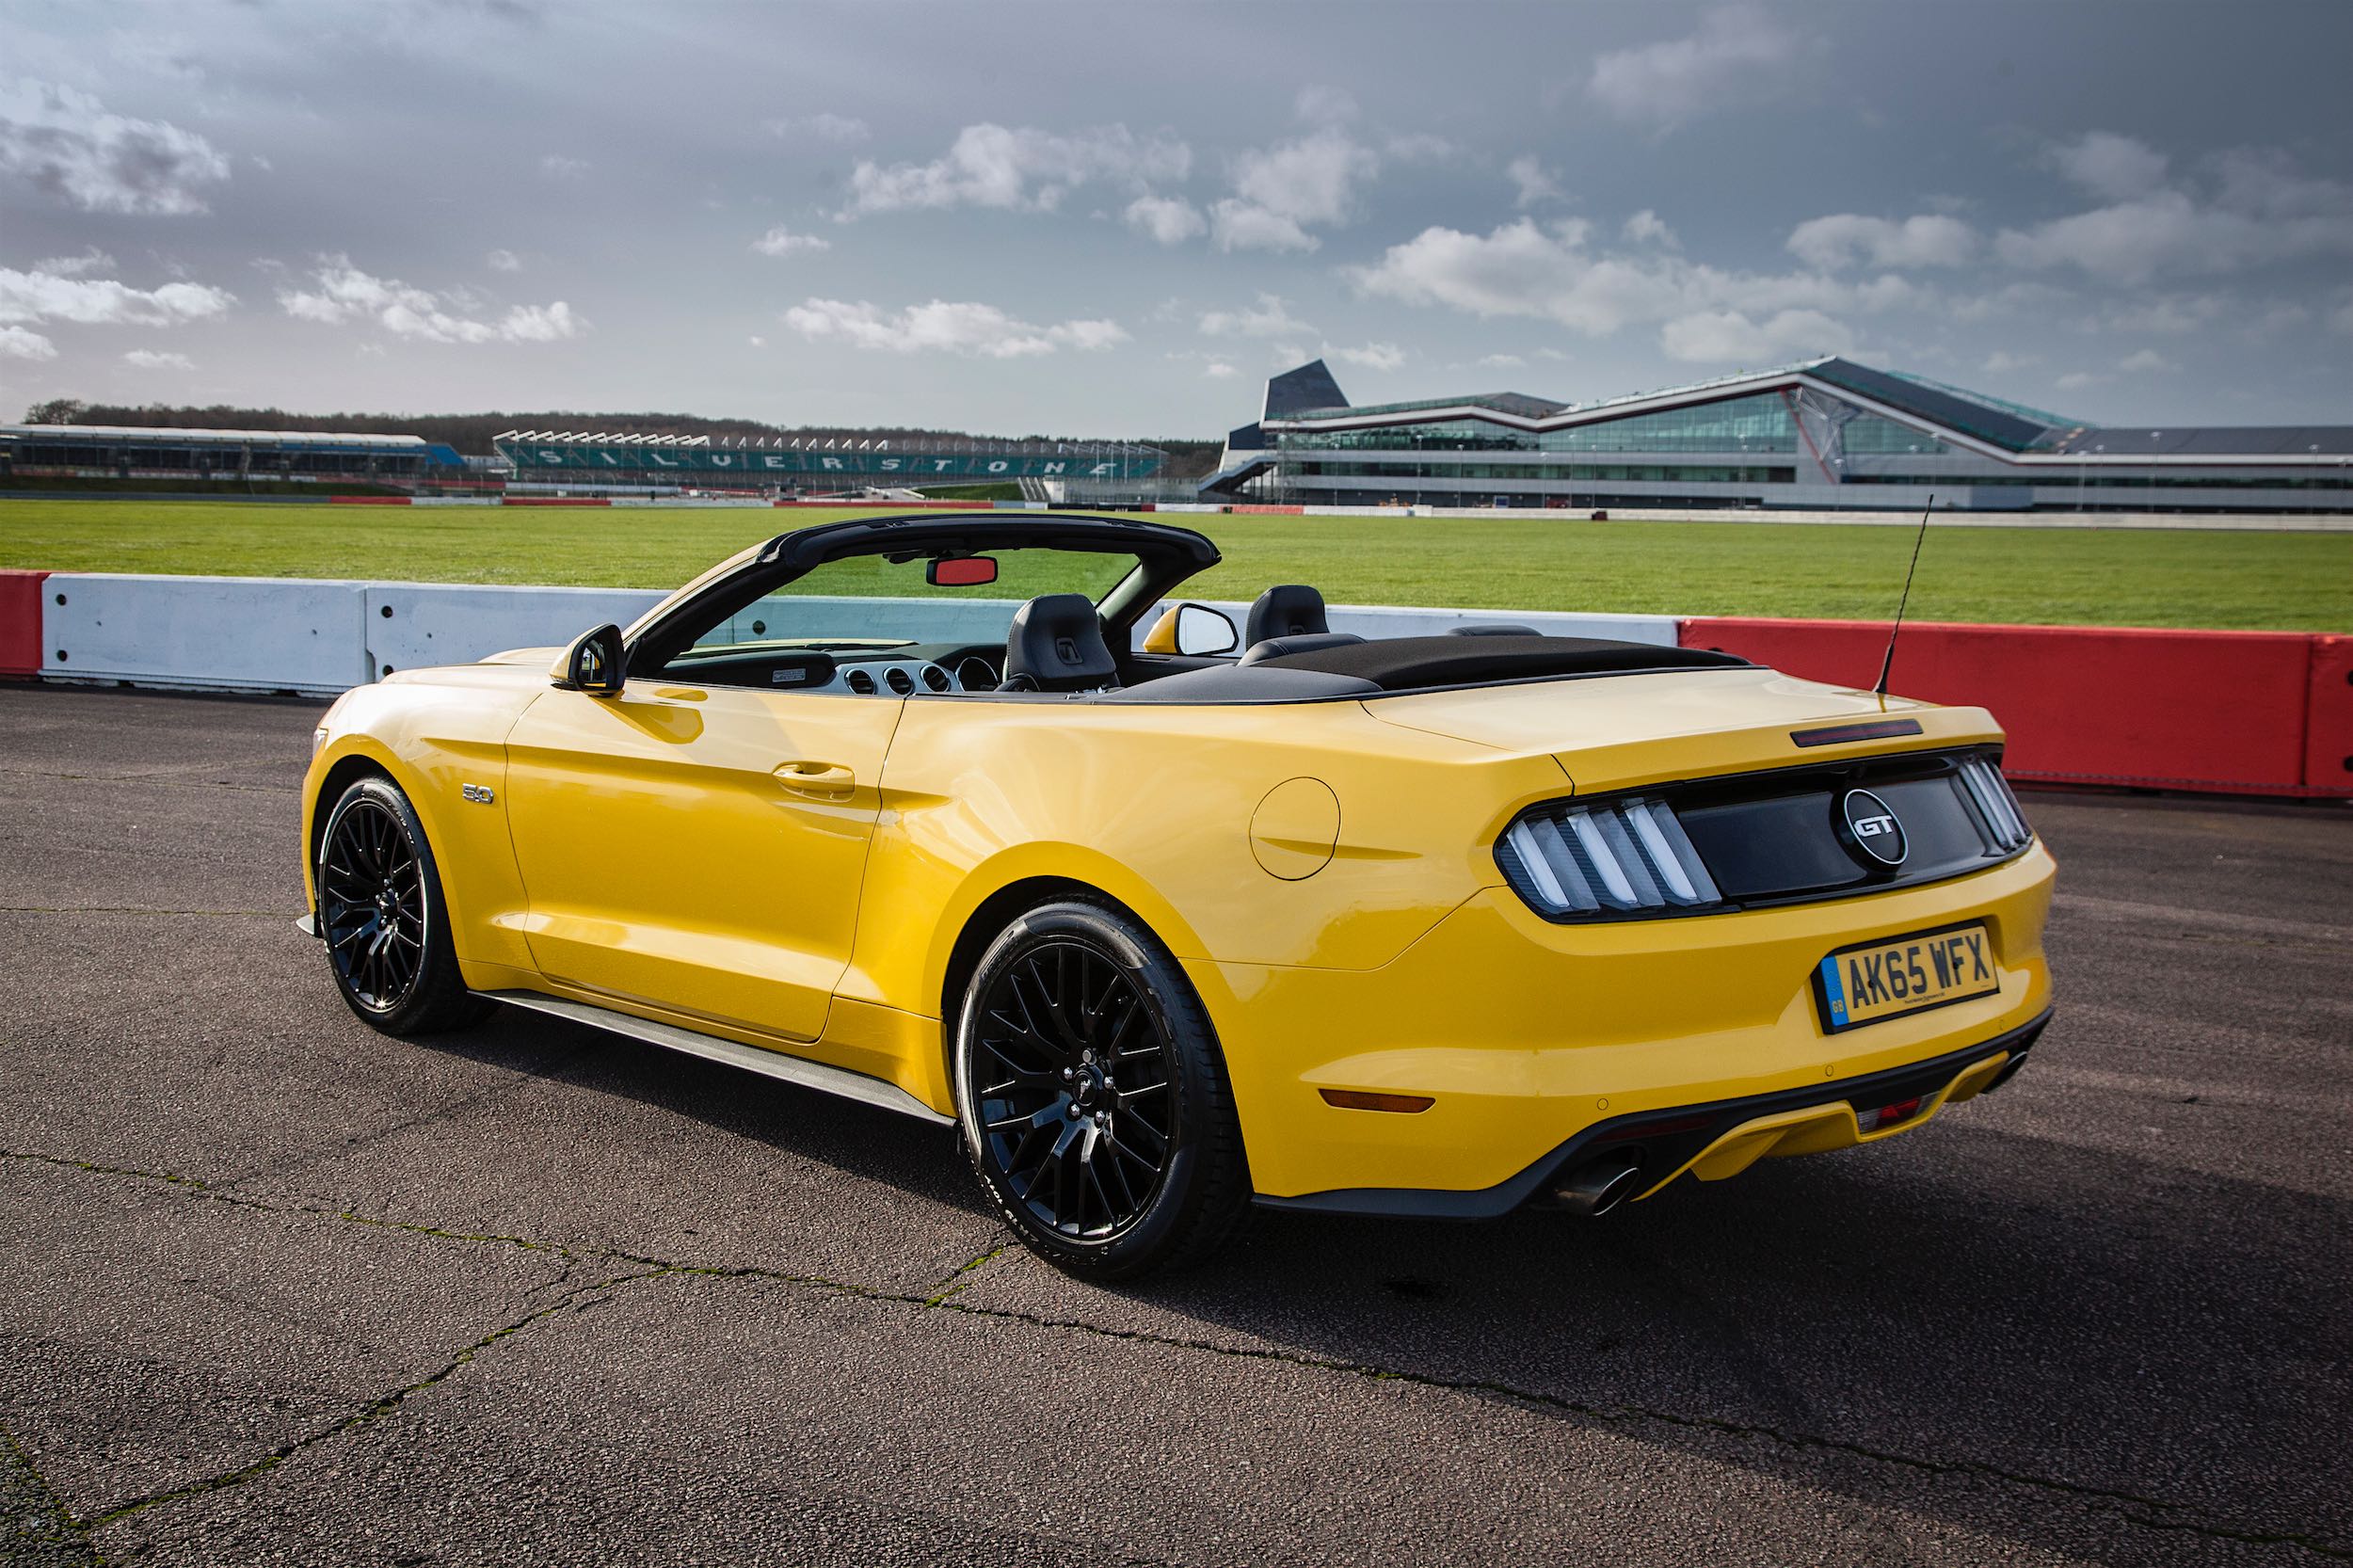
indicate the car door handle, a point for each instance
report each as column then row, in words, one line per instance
column 818, row 781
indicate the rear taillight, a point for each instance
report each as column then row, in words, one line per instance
column 1989, row 794
column 1627, row 855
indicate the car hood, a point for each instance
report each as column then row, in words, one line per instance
column 1620, row 731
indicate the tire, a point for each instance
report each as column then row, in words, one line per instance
column 1092, row 1097
column 383, row 919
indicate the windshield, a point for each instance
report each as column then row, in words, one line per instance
column 867, row 602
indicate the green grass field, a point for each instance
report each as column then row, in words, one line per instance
column 2297, row 582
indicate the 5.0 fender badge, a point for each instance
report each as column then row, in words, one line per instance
column 479, row 794
column 1874, row 832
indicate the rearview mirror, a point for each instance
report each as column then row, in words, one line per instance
column 1202, row 630
column 960, row 572
column 596, row 663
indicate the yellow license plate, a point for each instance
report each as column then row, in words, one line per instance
column 1875, row 981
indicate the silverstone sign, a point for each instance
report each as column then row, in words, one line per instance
column 754, row 462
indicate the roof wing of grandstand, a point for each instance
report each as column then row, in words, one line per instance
column 1968, row 419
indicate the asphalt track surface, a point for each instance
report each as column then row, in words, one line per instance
column 276, row 1289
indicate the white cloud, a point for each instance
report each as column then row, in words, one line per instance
column 1372, row 355
column 92, row 259
column 2243, row 208
column 36, row 297
column 16, row 342
column 1281, row 192
column 1737, row 52
column 1547, row 271
column 504, row 260
column 549, row 323
column 557, row 167
column 1219, row 370
column 1729, row 337
column 2075, row 380
column 840, row 130
column 757, row 341
column 342, row 293
column 2107, row 165
column 781, row 241
column 944, row 327
column 1648, row 227
column 1534, row 181
column 2002, row 361
column 1501, row 362
column 1240, row 226
column 1022, row 169
column 1170, row 219
column 1269, row 318
column 147, row 359
column 1848, row 239
column 2146, row 362
column 65, row 144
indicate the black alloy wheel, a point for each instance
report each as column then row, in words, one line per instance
column 371, row 909
column 1095, row 1102
column 382, row 917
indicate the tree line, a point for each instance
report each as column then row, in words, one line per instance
column 472, row 434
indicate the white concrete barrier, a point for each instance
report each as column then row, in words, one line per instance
column 241, row 634
column 409, row 625
column 292, row 634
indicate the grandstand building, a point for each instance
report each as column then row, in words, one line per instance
column 226, row 457
column 581, row 460
column 1824, row 434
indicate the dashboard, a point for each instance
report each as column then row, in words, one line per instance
column 911, row 670
column 906, row 677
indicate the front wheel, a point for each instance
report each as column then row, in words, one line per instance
column 382, row 916
column 1094, row 1100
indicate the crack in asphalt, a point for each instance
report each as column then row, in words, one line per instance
column 2132, row 1508
column 367, row 1414
column 962, row 1277
column 39, row 1530
column 153, row 779
column 125, row 909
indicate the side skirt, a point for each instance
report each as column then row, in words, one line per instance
column 768, row 1064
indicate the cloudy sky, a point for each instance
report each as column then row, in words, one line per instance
column 1116, row 219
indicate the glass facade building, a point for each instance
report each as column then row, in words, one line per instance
column 1825, row 433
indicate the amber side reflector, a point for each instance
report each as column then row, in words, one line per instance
column 1356, row 1099
column 1878, row 731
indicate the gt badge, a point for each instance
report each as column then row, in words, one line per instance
column 479, row 794
column 1873, row 831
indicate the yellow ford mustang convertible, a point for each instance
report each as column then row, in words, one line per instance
column 905, row 810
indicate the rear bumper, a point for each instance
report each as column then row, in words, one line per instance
column 1524, row 1034
column 1716, row 1140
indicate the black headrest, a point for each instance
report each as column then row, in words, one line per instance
column 1289, row 610
column 1306, row 642
column 1056, row 644
column 1492, row 628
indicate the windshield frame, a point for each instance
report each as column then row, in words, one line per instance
column 1164, row 556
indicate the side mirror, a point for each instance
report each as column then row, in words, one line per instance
column 1202, row 631
column 596, row 663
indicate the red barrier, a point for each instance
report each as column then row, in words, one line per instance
column 19, row 622
column 2329, row 718
column 369, row 500
column 2215, row 711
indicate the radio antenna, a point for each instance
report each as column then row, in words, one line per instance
column 1918, row 540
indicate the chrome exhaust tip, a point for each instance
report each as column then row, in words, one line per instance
column 1599, row 1185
